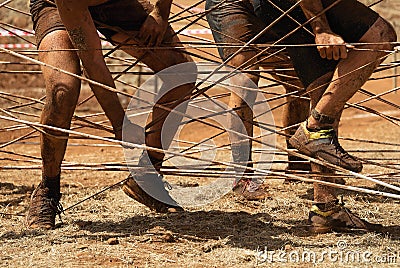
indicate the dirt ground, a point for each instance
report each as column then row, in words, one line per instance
column 111, row 230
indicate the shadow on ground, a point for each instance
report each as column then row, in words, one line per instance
column 242, row 229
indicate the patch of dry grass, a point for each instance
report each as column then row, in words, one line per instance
column 228, row 233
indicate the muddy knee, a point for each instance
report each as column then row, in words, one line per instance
column 60, row 105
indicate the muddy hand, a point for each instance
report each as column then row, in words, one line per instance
column 153, row 29
column 331, row 46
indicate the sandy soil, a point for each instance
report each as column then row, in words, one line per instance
column 229, row 232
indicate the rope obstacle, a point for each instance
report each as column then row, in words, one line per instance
column 19, row 113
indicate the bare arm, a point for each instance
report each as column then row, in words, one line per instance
column 82, row 31
column 330, row 45
column 153, row 29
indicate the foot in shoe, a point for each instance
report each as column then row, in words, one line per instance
column 338, row 219
column 136, row 192
column 324, row 144
column 251, row 190
column 43, row 208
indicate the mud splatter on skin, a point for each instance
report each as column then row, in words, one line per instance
column 77, row 36
column 48, row 151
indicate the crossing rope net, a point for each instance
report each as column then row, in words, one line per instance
column 370, row 121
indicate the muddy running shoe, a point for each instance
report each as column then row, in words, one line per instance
column 43, row 209
column 154, row 185
column 250, row 190
column 338, row 219
column 324, row 144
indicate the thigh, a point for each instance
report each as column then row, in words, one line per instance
column 351, row 20
column 120, row 22
column 156, row 59
column 56, row 50
column 54, row 45
column 285, row 25
column 233, row 23
column 348, row 18
column 305, row 59
column 45, row 18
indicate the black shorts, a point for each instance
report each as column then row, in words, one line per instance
column 348, row 18
column 111, row 17
column 233, row 20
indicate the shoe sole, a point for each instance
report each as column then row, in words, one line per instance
column 45, row 227
column 258, row 198
column 325, row 230
column 319, row 229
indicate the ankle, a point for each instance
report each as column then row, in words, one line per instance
column 149, row 160
column 313, row 125
column 53, row 184
column 326, row 206
column 317, row 121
